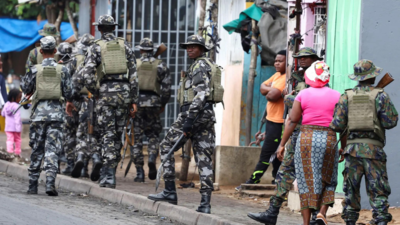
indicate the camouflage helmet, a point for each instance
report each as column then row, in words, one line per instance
column 49, row 30
column 86, row 39
column 48, row 43
column 364, row 70
column 145, row 44
column 195, row 40
column 306, row 51
column 105, row 20
column 64, row 48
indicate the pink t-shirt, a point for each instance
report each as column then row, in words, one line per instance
column 318, row 105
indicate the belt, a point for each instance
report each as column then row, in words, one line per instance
column 147, row 93
column 186, row 107
column 113, row 80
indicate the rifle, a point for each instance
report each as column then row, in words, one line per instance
column 173, row 149
column 385, row 81
column 161, row 48
column 91, row 121
column 24, row 101
column 129, row 140
column 263, row 121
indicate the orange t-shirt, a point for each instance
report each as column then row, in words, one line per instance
column 276, row 109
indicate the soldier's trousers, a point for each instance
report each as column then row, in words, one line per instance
column 286, row 173
column 86, row 144
column 46, row 142
column 70, row 129
column 203, row 144
column 146, row 122
column 111, row 121
column 377, row 185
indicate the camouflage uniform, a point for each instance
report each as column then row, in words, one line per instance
column 48, row 30
column 147, row 119
column 46, row 121
column 86, row 144
column 365, row 159
column 202, row 131
column 64, row 50
column 115, row 95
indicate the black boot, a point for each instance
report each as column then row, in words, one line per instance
column 109, row 180
column 79, row 163
column 70, row 166
column 50, row 186
column 313, row 219
column 270, row 216
column 167, row 195
column 96, row 167
column 350, row 222
column 59, row 167
column 139, row 175
column 33, row 187
column 205, row 206
column 84, row 171
column 152, row 167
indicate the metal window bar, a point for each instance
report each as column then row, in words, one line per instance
column 319, row 37
column 172, row 44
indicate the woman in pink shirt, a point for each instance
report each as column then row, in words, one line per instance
column 316, row 158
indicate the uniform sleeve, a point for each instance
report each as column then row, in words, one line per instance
column 133, row 78
column 28, row 84
column 66, row 84
column 387, row 113
column 289, row 100
column 165, row 87
column 88, row 73
column 200, row 85
column 31, row 60
column 339, row 121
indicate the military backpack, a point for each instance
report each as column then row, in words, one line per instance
column 362, row 115
column 216, row 89
column 48, row 84
column 148, row 76
column 113, row 59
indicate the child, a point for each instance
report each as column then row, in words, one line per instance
column 13, row 122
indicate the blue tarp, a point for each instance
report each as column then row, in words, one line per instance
column 16, row 35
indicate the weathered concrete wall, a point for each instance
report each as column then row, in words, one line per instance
column 379, row 42
column 234, row 165
column 84, row 17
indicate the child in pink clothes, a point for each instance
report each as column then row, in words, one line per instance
column 13, row 122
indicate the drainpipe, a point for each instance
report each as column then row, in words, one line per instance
column 250, row 83
column 93, row 16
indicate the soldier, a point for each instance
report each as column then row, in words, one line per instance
column 64, row 51
column 34, row 55
column 286, row 173
column 116, row 87
column 154, row 94
column 51, row 85
column 369, row 109
column 86, row 147
column 196, row 98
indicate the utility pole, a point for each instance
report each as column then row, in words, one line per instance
column 250, row 83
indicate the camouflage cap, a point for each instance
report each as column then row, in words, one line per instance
column 306, row 51
column 48, row 43
column 195, row 40
column 105, row 20
column 64, row 48
column 145, row 44
column 364, row 70
column 49, row 30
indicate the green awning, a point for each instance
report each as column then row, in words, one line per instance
column 253, row 12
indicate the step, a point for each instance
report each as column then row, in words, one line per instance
column 258, row 186
column 257, row 193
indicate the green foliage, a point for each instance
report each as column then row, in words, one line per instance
column 8, row 8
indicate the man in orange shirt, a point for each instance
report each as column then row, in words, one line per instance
column 272, row 90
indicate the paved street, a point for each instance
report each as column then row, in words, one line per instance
column 68, row 208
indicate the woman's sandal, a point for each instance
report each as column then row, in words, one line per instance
column 321, row 220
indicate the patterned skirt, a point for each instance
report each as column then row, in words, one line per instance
column 316, row 163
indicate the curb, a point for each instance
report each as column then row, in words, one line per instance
column 174, row 212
